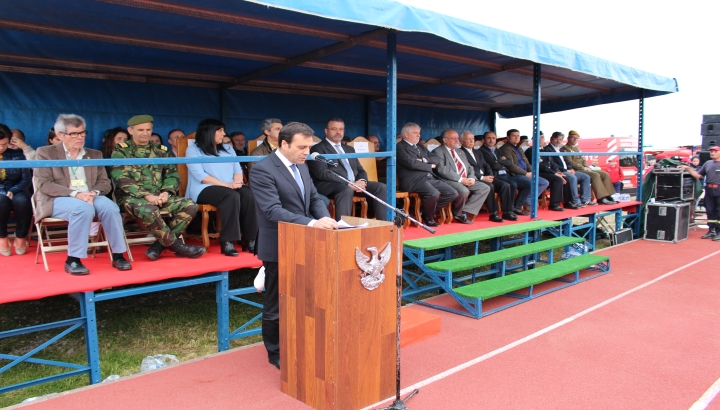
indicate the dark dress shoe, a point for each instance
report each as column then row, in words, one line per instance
column 188, row 251
column 248, row 246
column 571, row 206
column 590, row 203
column 227, row 249
column 275, row 362
column 76, row 268
column 509, row 216
column 519, row 211
column 431, row 222
column 606, row 201
column 556, row 208
column 462, row 218
column 495, row 218
column 121, row 264
column 153, row 253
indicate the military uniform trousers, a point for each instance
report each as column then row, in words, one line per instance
column 712, row 201
column 79, row 214
column 182, row 211
column 600, row 182
column 473, row 197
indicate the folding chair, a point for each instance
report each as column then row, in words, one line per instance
column 48, row 238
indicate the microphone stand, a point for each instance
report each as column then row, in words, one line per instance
column 400, row 214
column 398, row 404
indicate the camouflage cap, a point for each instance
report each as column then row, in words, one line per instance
column 573, row 132
column 139, row 119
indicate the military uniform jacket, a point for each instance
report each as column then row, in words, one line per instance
column 137, row 181
column 576, row 163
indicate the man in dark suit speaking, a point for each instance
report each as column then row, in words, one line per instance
column 283, row 192
column 331, row 186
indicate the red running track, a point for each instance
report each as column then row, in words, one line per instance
column 644, row 336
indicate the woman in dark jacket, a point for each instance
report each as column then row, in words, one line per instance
column 14, row 183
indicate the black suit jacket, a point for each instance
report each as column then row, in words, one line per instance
column 558, row 161
column 322, row 172
column 278, row 198
column 412, row 173
column 477, row 161
column 545, row 164
column 496, row 163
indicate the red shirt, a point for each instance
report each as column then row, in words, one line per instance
column 616, row 173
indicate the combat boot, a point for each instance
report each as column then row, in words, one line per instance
column 717, row 236
column 711, row 234
column 189, row 251
column 155, row 250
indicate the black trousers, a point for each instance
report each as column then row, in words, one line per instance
column 556, row 187
column 342, row 194
column 271, row 312
column 20, row 203
column 504, row 190
column 237, row 211
column 435, row 194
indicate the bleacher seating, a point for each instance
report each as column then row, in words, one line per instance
column 439, row 272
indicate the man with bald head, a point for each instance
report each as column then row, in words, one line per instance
column 454, row 169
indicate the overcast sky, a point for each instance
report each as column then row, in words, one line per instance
column 674, row 39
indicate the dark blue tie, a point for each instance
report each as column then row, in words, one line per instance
column 298, row 180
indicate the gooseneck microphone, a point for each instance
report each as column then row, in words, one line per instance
column 317, row 157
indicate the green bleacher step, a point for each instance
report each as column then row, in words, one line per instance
column 475, row 261
column 444, row 241
column 509, row 283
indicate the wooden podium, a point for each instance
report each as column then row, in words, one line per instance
column 337, row 339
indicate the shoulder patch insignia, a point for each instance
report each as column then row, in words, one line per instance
column 123, row 145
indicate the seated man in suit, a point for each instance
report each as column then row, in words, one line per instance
column 599, row 180
column 328, row 184
column 77, row 194
column 573, row 178
column 454, row 169
column 485, row 175
column 499, row 164
column 550, row 171
column 283, row 192
column 415, row 174
column 520, row 167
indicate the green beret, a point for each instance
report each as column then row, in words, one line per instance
column 139, row 119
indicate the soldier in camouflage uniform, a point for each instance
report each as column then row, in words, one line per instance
column 146, row 190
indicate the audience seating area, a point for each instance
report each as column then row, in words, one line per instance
column 425, row 273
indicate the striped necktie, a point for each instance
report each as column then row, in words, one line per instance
column 460, row 166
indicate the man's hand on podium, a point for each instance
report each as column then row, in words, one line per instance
column 325, row 223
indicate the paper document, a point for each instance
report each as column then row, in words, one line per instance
column 345, row 225
column 361, row 147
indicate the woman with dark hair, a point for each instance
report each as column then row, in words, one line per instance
column 220, row 185
column 14, row 183
column 111, row 138
column 53, row 139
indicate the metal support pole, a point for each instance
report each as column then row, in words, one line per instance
column 223, row 312
column 391, row 118
column 640, row 159
column 87, row 310
column 536, row 142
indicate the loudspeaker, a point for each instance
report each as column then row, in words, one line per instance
column 667, row 222
column 710, row 118
column 710, row 129
column 704, row 156
column 709, row 141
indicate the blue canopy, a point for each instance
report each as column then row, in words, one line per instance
column 183, row 60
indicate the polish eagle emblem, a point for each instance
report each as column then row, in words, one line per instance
column 372, row 267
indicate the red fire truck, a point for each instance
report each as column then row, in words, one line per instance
column 613, row 144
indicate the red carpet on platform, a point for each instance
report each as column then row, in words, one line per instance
column 22, row 279
column 644, row 336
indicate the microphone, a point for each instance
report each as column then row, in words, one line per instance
column 317, row 157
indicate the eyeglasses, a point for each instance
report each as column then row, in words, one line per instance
column 75, row 134
column 336, row 129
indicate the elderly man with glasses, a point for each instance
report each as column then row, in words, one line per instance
column 76, row 194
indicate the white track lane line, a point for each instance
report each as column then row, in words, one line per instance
column 541, row 332
column 707, row 398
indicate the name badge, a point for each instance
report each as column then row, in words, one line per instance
column 77, row 182
column 501, row 172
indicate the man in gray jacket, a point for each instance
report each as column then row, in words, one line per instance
column 454, row 169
